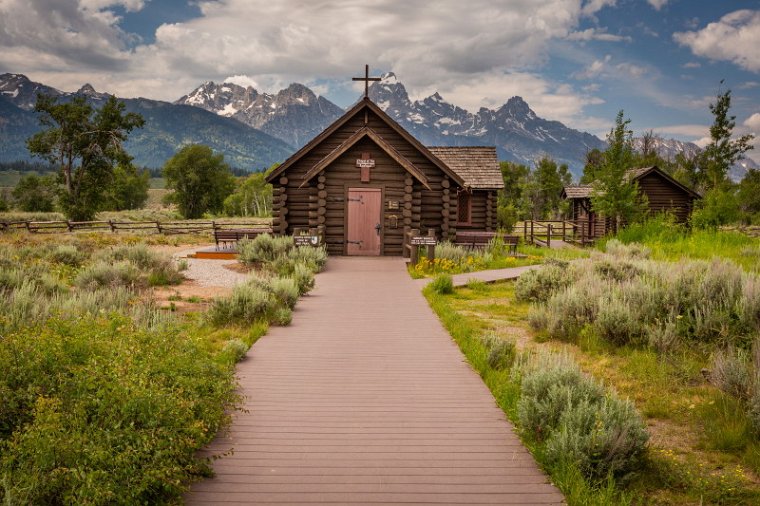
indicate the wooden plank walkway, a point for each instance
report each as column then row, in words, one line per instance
column 365, row 399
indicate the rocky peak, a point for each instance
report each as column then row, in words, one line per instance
column 517, row 107
column 296, row 94
column 87, row 89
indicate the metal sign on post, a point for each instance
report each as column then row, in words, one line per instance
column 306, row 240
column 424, row 240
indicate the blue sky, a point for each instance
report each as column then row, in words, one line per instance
column 577, row 61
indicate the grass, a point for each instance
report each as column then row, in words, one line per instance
column 701, row 447
column 105, row 397
column 672, row 242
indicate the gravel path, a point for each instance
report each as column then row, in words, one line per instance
column 210, row 272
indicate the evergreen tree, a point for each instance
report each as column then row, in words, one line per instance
column 200, row 180
column 749, row 197
column 722, row 152
column 614, row 195
column 84, row 144
column 594, row 161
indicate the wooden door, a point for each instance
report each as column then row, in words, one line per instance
column 364, row 221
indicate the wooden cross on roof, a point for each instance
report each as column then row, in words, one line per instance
column 366, row 80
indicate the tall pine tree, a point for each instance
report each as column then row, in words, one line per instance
column 613, row 194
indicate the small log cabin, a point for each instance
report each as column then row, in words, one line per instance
column 664, row 194
column 364, row 181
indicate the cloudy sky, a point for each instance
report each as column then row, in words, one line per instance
column 577, row 61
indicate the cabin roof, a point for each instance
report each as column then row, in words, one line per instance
column 478, row 166
column 581, row 191
column 365, row 103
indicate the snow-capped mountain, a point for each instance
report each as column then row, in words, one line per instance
column 668, row 148
column 514, row 128
column 168, row 127
column 22, row 92
column 294, row 115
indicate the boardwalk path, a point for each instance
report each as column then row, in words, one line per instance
column 366, row 399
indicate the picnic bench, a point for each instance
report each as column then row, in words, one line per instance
column 472, row 239
column 229, row 237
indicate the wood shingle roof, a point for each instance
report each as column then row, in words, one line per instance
column 478, row 166
column 582, row 191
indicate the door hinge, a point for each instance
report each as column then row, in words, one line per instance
column 356, row 200
column 354, row 242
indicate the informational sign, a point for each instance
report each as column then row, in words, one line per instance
column 365, row 164
column 306, row 240
column 393, row 204
column 424, row 240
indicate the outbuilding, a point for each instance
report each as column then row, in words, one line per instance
column 365, row 181
column 663, row 193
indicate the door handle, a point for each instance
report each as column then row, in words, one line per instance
column 377, row 229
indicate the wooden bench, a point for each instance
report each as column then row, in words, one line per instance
column 472, row 239
column 228, row 237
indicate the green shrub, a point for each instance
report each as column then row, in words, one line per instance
column 632, row 250
column 538, row 285
column 732, row 373
column 97, row 411
column 314, row 258
column 616, row 321
column 550, row 385
column 104, row 274
column 156, row 269
column 304, row 278
column 235, row 349
column 501, row 352
column 580, row 422
column 282, row 316
column 602, row 437
column 445, row 250
column 443, row 284
column 67, row 254
column 285, row 291
column 247, row 304
column 264, row 248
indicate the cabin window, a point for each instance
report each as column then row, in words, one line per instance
column 464, row 208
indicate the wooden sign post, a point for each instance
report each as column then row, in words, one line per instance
column 422, row 240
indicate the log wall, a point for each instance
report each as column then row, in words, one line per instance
column 664, row 196
column 321, row 202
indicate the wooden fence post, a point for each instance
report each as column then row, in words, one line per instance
column 414, row 251
column 431, row 247
column 549, row 235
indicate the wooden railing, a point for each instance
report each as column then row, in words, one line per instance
column 161, row 227
column 541, row 233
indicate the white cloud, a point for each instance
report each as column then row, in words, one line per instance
column 594, row 69
column 657, row 4
column 60, row 34
column 243, row 81
column 691, row 65
column 597, row 34
column 735, row 38
column 96, row 5
column 748, row 85
column 604, row 68
column 591, row 7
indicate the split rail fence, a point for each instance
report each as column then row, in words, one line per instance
column 161, row 227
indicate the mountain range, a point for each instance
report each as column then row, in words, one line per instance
column 254, row 129
column 167, row 128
